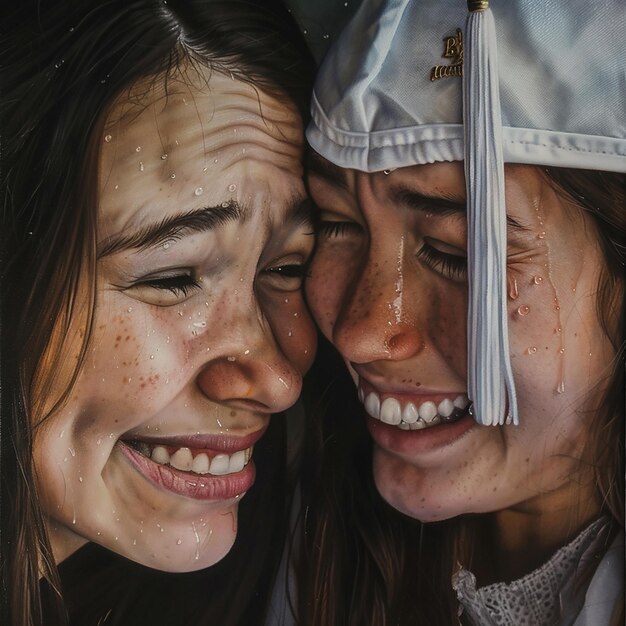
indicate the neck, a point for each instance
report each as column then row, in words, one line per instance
column 524, row 537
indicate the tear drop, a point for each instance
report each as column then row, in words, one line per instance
column 198, row 191
column 523, row 310
column 561, row 387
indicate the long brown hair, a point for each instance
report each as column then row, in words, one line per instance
column 63, row 64
column 361, row 562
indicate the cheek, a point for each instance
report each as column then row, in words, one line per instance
column 293, row 328
column 330, row 276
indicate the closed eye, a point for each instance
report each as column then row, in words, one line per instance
column 332, row 229
column 451, row 266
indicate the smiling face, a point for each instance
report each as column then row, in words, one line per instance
column 200, row 330
column 388, row 287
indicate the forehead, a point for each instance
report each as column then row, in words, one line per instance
column 201, row 139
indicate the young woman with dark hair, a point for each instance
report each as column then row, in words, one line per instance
column 154, row 237
column 469, row 270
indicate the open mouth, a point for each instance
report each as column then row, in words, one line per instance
column 409, row 415
column 195, row 460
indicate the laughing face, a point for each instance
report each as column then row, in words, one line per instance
column 388, row 287
column 200, row 331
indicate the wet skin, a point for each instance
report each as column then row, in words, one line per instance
column 388, row 287
column 200, row 329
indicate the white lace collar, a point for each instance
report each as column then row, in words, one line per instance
column 535, row 599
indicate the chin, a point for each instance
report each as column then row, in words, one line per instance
column 410, row 491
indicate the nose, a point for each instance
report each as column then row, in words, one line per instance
column 250, row 368
column 378, row 317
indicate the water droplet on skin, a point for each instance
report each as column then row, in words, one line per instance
column 108, row 138
column 130, row 309
column 65, row 460
column 247, row 352
column 232, row 188
column 164, row 157
column 561, row 387
column 116, row 187
column 513, row 291
column 215, row 161
column 562, row 351
column 224, row 205
column 72, row 451
column 151, row 356
column 180, row 313
column 232, row 359
column 200, row 324
column 134, row 542
column 166, row 245
column 325, row 36
column 290, row 333
column 198, row 191
column 61, row 434
column 537, row 280
column 172, row 175
column 98, row 442
column 80, row 479
column 386, row 172
column 557, row 308
column 141, row 168
column 178, row 542
column 204, row 169
column 542, row 235
column 531, row 350
column 523, row 310
column 286, row 300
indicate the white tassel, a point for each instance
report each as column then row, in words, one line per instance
column 490, row 377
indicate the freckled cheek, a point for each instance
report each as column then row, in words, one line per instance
column 293, row 329
column 327, row 287
column 447, row 324
column 135, row 355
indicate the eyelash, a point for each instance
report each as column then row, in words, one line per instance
column 179, row 285
column 449, row 265
column 336, row 229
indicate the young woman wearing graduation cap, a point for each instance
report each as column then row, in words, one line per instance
column 469, row 174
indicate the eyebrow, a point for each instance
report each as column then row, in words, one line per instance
column 175, row 226
column 318, row 165
column 440, row 205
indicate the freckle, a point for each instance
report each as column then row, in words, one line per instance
column 527, row 459
column 233, row 413
column 423, row 500
column 127, row 338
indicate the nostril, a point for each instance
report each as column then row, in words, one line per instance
column 405, row 343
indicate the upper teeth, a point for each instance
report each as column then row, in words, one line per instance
column 183, row 459
column 411, row 417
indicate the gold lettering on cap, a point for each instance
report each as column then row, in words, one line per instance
column 452, row 49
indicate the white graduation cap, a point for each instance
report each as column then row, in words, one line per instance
column 523, row 81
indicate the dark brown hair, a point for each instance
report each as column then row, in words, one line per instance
column 362, row 562
column 63, row 64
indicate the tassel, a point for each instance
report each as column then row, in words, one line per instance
column 490, row 378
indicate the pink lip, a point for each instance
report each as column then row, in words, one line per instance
column 199, row 487
column 227, row 444
column 416, row 442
